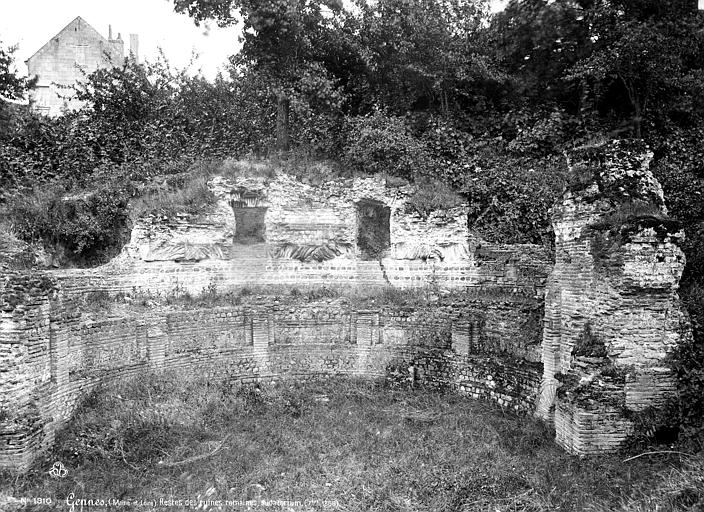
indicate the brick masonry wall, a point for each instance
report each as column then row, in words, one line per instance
column 587, row 357
column 53, row 354
column 612, row 312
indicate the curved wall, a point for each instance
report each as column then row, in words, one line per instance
column 56, row 354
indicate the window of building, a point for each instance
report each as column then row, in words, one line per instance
column 81, row 54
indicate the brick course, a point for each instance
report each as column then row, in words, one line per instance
column 52, row 354
column 612, row 313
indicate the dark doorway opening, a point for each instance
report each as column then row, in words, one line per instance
column 373, row 228
column 249, row 224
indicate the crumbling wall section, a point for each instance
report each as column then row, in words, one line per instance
column 53, row 354
column 27, row 373
column 612, row 313
column 313, row 234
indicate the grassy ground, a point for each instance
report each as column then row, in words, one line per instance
column 341, row 445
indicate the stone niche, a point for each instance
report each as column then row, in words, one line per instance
column 373, row 228
column 249, row 225
column 249, row 210
column 612, row 312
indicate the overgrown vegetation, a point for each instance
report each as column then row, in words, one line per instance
column 688, row 363
column 89, row 226
column 187, row 193
column 360, row 446
column 486, row 105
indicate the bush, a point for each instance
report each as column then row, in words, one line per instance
column 380, row 143
column 688, row 363
column 547, row 136
column 88, row 225
column 510, row 197
column 432, row 195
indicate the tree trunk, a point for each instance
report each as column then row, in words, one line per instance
column 637, row 120
column 586, row 102
column 282, row 132
column 635, row 100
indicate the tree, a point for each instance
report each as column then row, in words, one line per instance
column 424, row 55
column 281, row 42
column 639, row 48
column 535, row 42
column 12, row 87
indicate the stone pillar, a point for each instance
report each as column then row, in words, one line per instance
column 263, row 330
column 157, row 331
column 461, row 338
column 612, row 312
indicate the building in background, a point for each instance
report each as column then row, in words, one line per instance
column 77, row 50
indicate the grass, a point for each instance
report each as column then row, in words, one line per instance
column 334, row 445
column 188, row 194
column 15, row 254
column 187, row 191
column 359, row 297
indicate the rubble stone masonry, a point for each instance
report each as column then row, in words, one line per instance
column 612, row 312
column 194, row 253
column 587, row 350
column 52, row 354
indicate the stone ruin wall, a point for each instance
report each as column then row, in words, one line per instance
column 53, row 354
column 585, row 357
column 193, row 253
column 612, row 313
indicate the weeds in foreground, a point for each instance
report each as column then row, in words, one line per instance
column 357, row 446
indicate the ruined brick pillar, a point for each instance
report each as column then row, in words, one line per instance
column 26, row 375
column 612, row 313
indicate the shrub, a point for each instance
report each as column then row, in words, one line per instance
column 431, row 195
column 187, row 193
column 510, row 197
column 380, row 143
column 88, row 225
column 688, row 363
column 546, row 136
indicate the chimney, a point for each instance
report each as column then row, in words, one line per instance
column 109, row 32
column 134, row 47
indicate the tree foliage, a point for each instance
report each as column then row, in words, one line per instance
column 12, row 87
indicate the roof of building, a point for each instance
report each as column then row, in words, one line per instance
column 76, row 21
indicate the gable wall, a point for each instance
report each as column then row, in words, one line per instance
column 57, row 62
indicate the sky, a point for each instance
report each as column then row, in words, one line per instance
column 31, row 23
